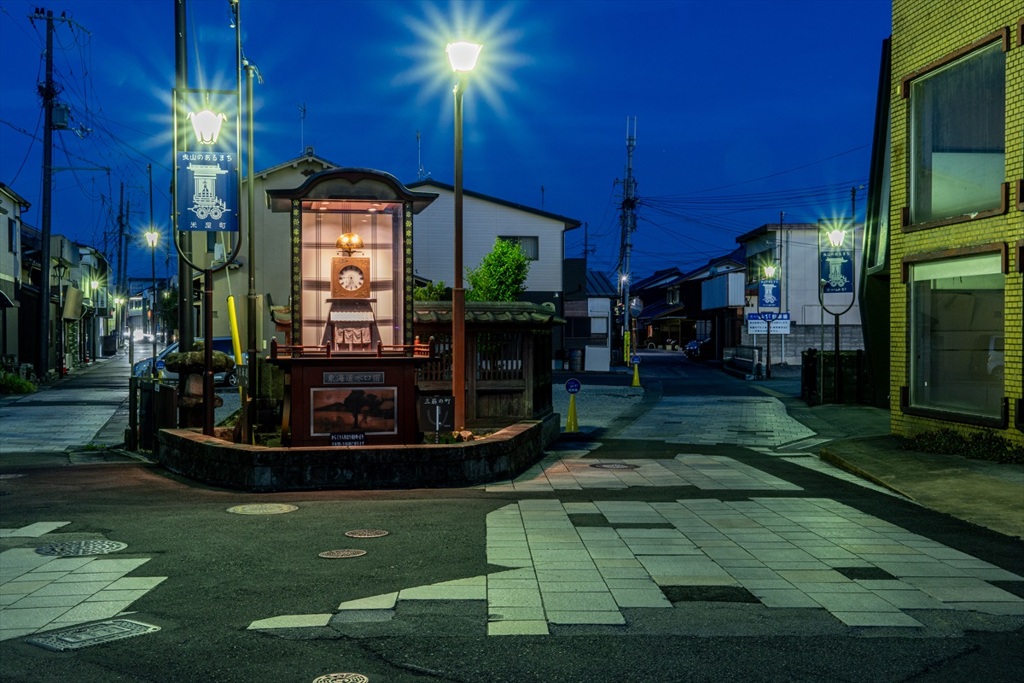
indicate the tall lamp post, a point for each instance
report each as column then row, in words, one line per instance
column 837, row 275
column 152, row 238
column 61, row 269
column 462, row 56
column 768, row 297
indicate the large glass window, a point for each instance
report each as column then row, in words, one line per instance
column 351, row 297
column 529, row 245
column 958, row 137
column 956, row 335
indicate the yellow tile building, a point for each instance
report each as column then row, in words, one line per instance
column 945, row 242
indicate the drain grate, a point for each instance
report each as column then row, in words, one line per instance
column 342, row 554
column 366, row 533
column 78, row 548
column 614, row 466
column 262, row 509
column 342, row 678
column 91, row 634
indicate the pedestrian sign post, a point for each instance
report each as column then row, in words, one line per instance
column 635, row 360
column 573, row 387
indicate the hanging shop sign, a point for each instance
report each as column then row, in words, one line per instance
column 768, row 293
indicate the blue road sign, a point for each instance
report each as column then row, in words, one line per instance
column 573, row 386
column 634, row 360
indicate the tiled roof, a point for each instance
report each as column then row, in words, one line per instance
column 488, row 313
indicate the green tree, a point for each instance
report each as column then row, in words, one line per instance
column 435, row 291
column 501, row 275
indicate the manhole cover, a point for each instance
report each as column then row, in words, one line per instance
column 366, row 533
column 11, row 476
column 76, row 548
column 91, row 634
column 342, row 678
column 262, row 509
column 342, row 554
column 614, row 466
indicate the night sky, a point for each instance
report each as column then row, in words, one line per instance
column 744, row 109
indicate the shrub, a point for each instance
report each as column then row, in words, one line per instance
column 985, row 445
column 12, row 384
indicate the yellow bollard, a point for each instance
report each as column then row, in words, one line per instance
column 636, row 374
column 571, row 425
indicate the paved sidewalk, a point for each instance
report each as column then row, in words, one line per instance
column 89, row 407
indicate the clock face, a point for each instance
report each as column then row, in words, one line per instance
column 350, row 278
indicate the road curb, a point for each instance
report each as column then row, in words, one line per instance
column 828, row 455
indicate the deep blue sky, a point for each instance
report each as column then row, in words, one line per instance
column 744, row 108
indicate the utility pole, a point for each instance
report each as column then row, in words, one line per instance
column 48, row 92
column 628, row 219
column 186, row 325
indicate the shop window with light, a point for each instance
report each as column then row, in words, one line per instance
column 958, row 137
column 956, row 335
column 529, row 245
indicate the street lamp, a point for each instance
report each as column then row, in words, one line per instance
column 61, row 269
column 462, row 56
column 836, row 277
column 152, row 238
column 768, row 296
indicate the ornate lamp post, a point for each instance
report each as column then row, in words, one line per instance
column 61, row 270
column 768, row 296
column 152, row 238
column 837, row 277
column 462, row 56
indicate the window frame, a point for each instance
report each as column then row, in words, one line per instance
column 1001, row 421
column 518, row 239
column 1002, row 36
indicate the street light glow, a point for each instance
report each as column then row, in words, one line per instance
column 462, row 55
column 206, row 125
column 152, row 237
column 836, row 237
column 769, row 271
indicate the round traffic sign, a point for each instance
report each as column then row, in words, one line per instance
column 634, row 360
column 573, row 386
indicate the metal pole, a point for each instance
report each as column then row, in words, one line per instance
column 458, row 293
column 838, row 379
column 208, row 395
column 48, row 94
column 152, row 266
column 247, row 409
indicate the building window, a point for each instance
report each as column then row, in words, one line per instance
column 12, row 235
column 958, row 139
column 527, row 244
column 956, row 335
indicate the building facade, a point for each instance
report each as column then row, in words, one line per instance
column 946, row 223
column 11, row 206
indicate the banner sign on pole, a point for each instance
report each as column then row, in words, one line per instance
column 208, row 173
column 837, row 271
column 768, row 293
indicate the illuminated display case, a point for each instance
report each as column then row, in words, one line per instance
column 350, row 368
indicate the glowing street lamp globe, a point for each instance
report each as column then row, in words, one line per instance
column 462, row 55
column 836, row 237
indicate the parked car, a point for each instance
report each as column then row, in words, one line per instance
column 697, row 349
column 230, row 378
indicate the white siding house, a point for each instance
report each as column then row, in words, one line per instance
column 484, row 219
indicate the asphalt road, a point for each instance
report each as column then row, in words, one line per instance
column 225, row 571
